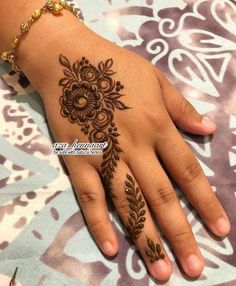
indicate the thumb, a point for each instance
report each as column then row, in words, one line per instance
column 181, row 111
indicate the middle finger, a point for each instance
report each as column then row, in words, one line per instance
column 170, row 216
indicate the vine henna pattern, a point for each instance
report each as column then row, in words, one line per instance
column 136, row 204
column 89, row 98
column 137, row 218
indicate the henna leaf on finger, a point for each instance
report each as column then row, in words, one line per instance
column 136, row 204
column 153, row 251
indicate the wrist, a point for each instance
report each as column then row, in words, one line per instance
column 12, row 14
column 38, row 52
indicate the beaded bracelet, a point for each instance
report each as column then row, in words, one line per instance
column 51, row 6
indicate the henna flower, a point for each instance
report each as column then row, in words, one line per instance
column 80, row 103
column 89, row 98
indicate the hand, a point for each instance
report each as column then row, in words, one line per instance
column 122, row 99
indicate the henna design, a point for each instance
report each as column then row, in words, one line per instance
column 154, row 251
column 136, row 219
column 89, row 98
column 136, row 205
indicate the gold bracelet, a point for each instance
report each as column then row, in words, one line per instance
column 51, row 6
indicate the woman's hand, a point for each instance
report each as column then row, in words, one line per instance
column 96, row 91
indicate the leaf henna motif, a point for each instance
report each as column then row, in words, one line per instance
column 153, row 251
column 89, row 98
column 136, row 204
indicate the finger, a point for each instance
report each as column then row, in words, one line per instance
column 190, row 177
column 181, row 111
column 162, row 198
column 90, row 193
column 133, row 211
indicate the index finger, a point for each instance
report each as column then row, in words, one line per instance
column 190, row 177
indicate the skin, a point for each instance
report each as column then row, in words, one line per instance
column 147, row 132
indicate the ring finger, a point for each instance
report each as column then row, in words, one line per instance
column 132, row 208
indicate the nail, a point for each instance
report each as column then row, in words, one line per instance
column 161, row 269
column 222, row 226
column 194, row 265
column 206, row 122
column 108, row 248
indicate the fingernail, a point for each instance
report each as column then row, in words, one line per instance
column 222, row 226
column 194, row 265
column 108, row 248
column 206, row 122
column 161, row 269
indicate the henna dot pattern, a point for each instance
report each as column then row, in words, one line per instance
column 136, row 204
column 89, row 98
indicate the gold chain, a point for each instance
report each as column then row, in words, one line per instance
column 51, row 6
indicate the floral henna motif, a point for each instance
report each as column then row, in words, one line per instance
column 153, row 251
column 89, row 98
column 136, row 204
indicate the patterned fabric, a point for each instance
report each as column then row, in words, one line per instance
column 42, row 231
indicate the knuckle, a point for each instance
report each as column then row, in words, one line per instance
column 123, row 207
column 87, row 197
column 163, row 196
column 96, row 225
column 155, row 181
column 210, row 204
column 191, row 172
column 185, row 107
column 182, row 237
